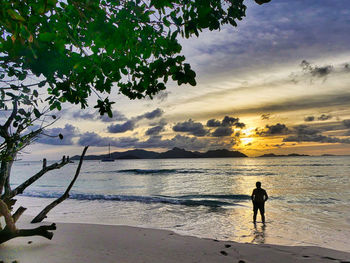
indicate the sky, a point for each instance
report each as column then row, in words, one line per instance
column 278, row 83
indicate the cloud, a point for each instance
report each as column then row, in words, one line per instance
column 120, row 128
column 229, row 121
column 84, row 115
column 155, row 130
column 130, row 125
column 265, row 116
column 186, row 142
column 117, row 116
column 151, row 115
column 306, row 130
column 324, row 117
column 191, row 127
column 93, row 139
column 315, row 101
column 316, row 71
column 271, row 33
column 315, row 138
column 50, row 136
column 222, row 131
column 226, row 122
column 271, row 130
column 224, row 127
column 346, row 123
column 213, row 123
column 309, row 118
column 305, row 133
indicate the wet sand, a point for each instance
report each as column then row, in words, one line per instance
column 104, row 243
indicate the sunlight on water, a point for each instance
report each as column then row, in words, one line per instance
column 309, row 197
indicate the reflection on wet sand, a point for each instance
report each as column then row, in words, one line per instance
column 259, row 234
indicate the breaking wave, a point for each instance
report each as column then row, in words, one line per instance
column 186, row 200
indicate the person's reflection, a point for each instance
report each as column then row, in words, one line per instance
column 259, row 234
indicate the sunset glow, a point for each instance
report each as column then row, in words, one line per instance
column 280, row 89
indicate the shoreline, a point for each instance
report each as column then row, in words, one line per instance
column 77, row 242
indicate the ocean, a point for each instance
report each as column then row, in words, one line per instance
column 309, row 197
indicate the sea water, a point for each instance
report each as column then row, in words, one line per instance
column 309, row 197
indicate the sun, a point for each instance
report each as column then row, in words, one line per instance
column 247, row 133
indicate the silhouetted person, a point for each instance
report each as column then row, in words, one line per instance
column 259, row 197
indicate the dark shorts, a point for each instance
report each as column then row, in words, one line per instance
column 259, row 206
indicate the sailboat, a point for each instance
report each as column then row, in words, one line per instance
column 109, row 159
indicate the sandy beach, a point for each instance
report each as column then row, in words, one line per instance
column 105, row 243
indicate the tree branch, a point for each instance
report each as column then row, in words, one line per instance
column 19, row 189
column 18, row 213
column 12, row 116
column 6, row 234
column 40, row 217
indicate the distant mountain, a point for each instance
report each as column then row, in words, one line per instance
column 137, row 154
column 222, row 154
column 177, row 153
column 174, row 153
column 288, row 155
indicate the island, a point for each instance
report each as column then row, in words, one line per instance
column 173, row 153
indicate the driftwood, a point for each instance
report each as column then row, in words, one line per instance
column 43, row 231
column 42, row 215
column 10, row 231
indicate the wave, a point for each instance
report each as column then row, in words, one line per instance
column 159, row 171
column 148, row 171
column 291, row 165
column 186, row 200
column 246, row 172
column 249, row 173
column 200, row 196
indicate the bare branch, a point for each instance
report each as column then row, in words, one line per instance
column 18, row 213
column 40, row 217
column 19, row 189
column 6, row 234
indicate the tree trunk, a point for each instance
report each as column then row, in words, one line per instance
column 42, row 215
column 5, row 171
column 7, row 181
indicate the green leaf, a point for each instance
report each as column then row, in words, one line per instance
column 42, row 83
column 37, row 113
column 22, row 111
column 47, row 37
column 14, row 15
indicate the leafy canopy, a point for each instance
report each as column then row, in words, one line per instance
column 75, row 48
